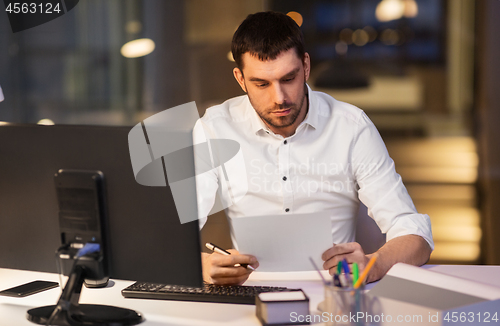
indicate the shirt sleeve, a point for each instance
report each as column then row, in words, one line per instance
column 381, row 188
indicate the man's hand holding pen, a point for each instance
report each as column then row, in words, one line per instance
column 227, row 267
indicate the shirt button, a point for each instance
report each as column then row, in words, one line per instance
column 287, row 210
column 284, row 178
column 285, row 142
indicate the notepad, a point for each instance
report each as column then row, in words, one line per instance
column 284, row 243
column 279, row 308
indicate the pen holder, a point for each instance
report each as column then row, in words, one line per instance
column 346, row 306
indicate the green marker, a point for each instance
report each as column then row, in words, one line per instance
column 355, row 272
column 339, row 268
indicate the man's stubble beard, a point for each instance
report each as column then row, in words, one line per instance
column 286, row 121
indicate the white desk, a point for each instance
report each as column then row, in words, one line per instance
column 159, row 312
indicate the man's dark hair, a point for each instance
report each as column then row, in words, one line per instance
column 266, row 35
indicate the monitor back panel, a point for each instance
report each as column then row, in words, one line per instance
column 146, row 240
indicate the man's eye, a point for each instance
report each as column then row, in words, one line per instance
column 262, row 85
column 288, row 79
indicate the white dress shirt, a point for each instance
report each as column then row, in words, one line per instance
column 335, row 158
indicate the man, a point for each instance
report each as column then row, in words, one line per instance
column 291, row 136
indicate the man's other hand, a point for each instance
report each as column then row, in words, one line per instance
column 409, row 249
column 221, row 269
column 351, row 251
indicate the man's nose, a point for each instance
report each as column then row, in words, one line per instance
column 279, row 94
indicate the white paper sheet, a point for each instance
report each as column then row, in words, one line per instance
column 285, row 242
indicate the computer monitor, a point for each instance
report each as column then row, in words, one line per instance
column 146, row 240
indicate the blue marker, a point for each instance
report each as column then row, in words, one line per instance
column 347, row 272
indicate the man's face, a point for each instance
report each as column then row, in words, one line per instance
column 276, row 89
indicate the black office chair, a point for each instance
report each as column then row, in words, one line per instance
column 368, row 234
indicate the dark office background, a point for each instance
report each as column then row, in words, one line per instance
column 426, row 76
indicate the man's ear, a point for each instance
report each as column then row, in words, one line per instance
column 238, row 75
column 307, row 65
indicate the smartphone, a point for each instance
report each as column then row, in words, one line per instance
column 29, row 288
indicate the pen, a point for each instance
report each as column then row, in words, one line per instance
column 347, row 272
column 355, row 272
column 317, row 269
column 341, row 278
column 336, row 280
column 363, row 276
column 221, row 251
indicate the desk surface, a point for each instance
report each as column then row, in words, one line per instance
column 159, row 312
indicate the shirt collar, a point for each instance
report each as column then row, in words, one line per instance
column 257, row 125
column 311, row 118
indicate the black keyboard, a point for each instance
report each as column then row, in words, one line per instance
column 239, row 294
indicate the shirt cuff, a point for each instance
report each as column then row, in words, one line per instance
column 417, row 224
